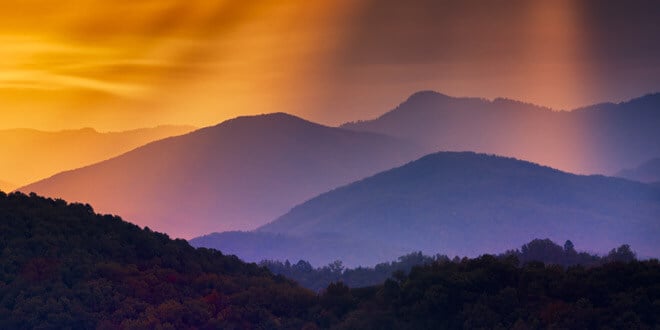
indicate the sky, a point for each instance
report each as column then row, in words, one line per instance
column 123, row 64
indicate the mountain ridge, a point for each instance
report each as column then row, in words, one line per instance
column 597, row 139
column 228, row 176
column 460, row 203
column 648, row 172
column 25, row 150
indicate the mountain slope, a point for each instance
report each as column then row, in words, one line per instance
column 646, row 172
column 29, row 155
column 63, row 266
column 236, row 175
column 601, row 138
column 467, row 204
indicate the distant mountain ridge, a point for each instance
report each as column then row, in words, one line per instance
column 462, row 204
column 648, row 172
column 29, row 155
column 243, row 172
column 236, row 175
column 602, row 138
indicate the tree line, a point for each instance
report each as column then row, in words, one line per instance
column 543, row 250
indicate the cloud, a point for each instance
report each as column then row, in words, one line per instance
column 48, row 81
column 51, row 65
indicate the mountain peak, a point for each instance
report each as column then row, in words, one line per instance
column 275, row 119
column 426, row 96
column 235, row 175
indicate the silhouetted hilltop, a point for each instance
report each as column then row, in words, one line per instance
column 275, row 121
column 430, row 101
column 647, row 172
column 29, row 155
column 233, row 176
column 466, row 204
column 63, row 266
column 601, row 138
column 647, row 104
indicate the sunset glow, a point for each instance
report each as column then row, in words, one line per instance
column 125, row 64
column 271, row 164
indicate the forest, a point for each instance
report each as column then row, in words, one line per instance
column 543, row 250
column 64, row 266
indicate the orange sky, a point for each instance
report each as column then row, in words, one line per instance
column 122, row 64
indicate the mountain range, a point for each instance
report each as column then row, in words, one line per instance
column 244, row 172
column 599, row 139
column 29, row 155
column 455, row 203
column 239, row 174
column 646, row 172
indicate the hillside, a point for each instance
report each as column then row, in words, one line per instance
column 63, row 266
column 233, row 176
column 602, row 138
column 29, row 155
column 491, row 293
column 646, row 172
column 467, row 204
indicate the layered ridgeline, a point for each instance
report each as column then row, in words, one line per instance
column 29, row 155
column 456, row 204
column 602, row 138
column 65, row 267
column 239, row 174
column 646, row 172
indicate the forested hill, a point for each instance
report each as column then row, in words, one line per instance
column 63, row 266
column 467, row 204
column 538, row 250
